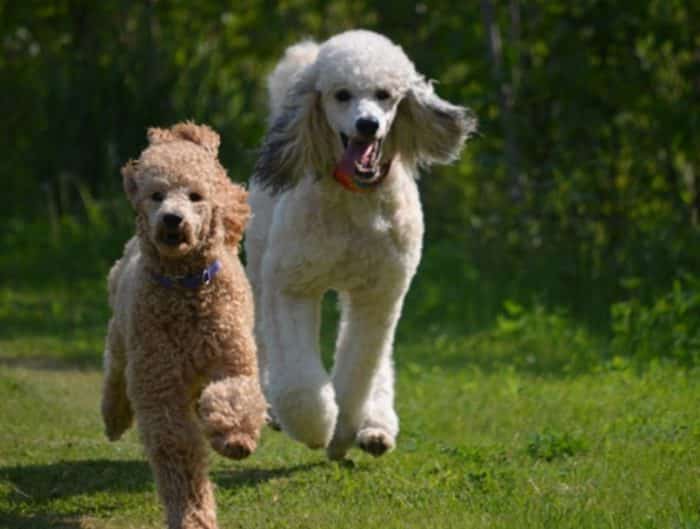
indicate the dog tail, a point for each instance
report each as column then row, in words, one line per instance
column 295, row 59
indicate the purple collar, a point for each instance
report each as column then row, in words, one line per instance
column 192, row 281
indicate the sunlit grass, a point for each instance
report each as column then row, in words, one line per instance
column 498, row 430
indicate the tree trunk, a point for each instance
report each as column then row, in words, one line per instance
column 506, row 95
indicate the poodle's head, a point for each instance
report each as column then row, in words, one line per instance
column 181, row 193
column 359, row 105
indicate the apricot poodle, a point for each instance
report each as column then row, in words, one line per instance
column 180, row 354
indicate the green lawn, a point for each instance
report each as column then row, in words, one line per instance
column 524, row 427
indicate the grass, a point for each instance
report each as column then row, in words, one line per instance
column 531, row 422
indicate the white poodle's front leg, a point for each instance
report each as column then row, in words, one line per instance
column 363, row 373
column 380, row 424
column 299, row 387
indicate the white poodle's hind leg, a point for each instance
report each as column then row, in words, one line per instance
column 255, row 243
column 299, row 387
column 380, row 425
column 363, row 364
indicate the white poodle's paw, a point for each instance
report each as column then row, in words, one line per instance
column 308, row 414
column 375, row 441
column 272, row 421
column 343, row 439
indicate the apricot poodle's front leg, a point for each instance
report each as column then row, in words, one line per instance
column 117, row 414
column 233, row 411
column 177, row 453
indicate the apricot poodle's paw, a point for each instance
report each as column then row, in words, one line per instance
column 234, row 446
column 375, row 441
column 307, row 414
column 230, row 409
column 117, row 417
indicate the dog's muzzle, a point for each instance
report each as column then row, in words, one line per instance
column 360, row 168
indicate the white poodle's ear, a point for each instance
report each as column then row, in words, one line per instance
column 428, row 129
column 299, row 139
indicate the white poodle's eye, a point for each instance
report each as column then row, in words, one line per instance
column 195, row 197
column 343, row 95
column 157, row 197
column 382, row 94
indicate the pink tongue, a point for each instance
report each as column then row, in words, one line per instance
column 355, row 152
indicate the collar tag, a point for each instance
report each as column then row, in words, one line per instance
column 193, row 281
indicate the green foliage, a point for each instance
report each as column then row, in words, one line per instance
column 545, row 340
column 65, row 248
column 550, row 445
column 668, row 327
column 584, row 171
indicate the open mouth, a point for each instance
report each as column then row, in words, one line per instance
column 361, row 159
column 172, row 238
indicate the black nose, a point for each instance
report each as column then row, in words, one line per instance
column 367, row 126
column 172, row 221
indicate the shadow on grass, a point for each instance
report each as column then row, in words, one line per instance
column 38, row 491
column 42, row 484
column 18, row 521
column 250, row 477
column 39, row 485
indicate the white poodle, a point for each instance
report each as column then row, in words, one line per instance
column 336, row 206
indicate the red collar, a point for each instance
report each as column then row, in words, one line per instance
column 355, row 185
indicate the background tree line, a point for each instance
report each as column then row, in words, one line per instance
column 581, row 189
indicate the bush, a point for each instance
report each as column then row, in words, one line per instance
column 548, row 340
column 550, row 445
column 669, row 327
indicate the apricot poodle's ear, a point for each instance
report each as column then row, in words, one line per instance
column 428, row 129
column 129, row 182
column 299, row 138
column 233, row 203
column 202, row 135
column 156, row 136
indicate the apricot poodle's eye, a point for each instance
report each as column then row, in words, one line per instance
column 382, row 94
column 157, row 197
column 343, row 95
column 195, row 197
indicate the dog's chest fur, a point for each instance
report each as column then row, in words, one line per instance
column 327, row 237
column 191, row 329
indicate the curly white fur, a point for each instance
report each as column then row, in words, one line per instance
column 308, row 234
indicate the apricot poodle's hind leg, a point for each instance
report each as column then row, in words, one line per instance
column 117, row 414
column 177, row 452
column 233, row 411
